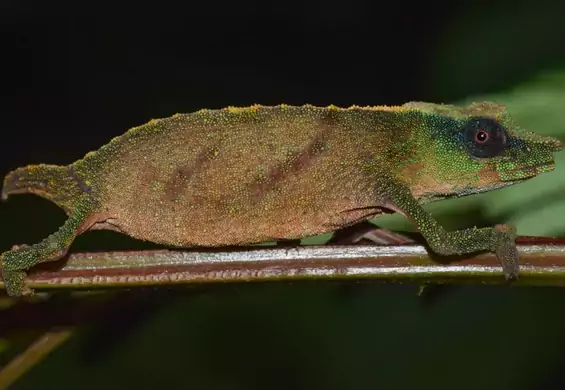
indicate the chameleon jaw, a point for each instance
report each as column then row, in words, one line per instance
column 520, row 174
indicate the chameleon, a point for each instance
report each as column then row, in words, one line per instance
column 245, row 175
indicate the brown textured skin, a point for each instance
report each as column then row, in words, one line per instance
column 208, row 183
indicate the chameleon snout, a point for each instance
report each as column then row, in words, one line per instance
column 554, row 144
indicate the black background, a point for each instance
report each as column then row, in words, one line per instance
column 76, row 74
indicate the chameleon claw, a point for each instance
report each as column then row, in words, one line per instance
column 14, row 283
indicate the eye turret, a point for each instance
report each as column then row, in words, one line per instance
column 484, row 137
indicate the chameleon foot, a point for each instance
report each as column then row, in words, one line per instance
column 16, row 262
column 15, row 285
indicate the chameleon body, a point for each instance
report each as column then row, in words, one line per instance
column 239, row 176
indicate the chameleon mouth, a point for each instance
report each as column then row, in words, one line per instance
column 524, row 173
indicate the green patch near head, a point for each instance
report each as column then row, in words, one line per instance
column 476, row 148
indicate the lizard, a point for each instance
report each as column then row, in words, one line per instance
column 245, row 175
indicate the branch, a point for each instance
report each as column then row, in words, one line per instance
column 542, row 263
column 37, row 351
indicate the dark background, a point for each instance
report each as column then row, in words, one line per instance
column 76, row 74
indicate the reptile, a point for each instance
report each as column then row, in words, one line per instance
column 245, row 175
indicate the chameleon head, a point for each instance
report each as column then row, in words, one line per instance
column 478, row 148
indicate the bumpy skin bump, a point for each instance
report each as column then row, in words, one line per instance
column 248, row 175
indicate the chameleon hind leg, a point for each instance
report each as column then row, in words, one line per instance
column 366, row 231
column 356, row 234
column 17, row 261
column 362, row 232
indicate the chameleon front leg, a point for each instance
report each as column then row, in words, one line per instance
column 499, row 239
column 15, row 262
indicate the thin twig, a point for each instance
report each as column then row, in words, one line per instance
column 542, row 263
column 37, row 351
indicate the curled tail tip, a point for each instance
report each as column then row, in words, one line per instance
column 7, row 185
column 52, row 182
column 17, row 181
column 6, row 192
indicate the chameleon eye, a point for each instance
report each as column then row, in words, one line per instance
column 484, row 137
column 481, row 136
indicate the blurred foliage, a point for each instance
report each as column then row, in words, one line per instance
column 313, row 334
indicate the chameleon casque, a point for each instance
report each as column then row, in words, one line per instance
column 238, row 176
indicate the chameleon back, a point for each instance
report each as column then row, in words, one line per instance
column 240, row 176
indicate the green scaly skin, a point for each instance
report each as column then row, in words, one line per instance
column 240, row 176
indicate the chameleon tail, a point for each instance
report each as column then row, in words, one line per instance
column 53, row 182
